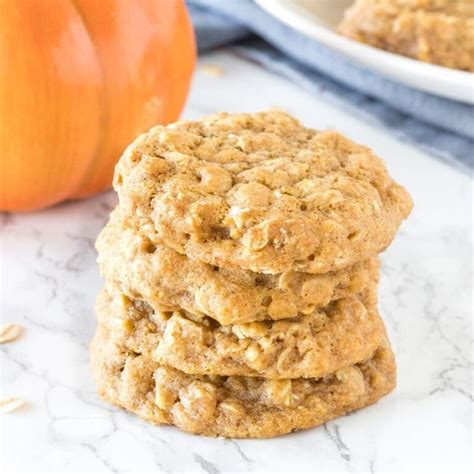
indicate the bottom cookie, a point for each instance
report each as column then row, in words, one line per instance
column 235, row 407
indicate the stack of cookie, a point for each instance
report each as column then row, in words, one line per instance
column 241, row 277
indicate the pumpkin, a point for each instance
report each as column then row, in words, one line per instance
column 79, row 80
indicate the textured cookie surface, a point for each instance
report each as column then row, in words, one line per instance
column 168, row 280
column 240, row 407
column 259, row 192
column 434, row 31
column 314, row 345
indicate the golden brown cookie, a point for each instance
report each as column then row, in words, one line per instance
column 168, row 280
column 314, row 345
column 259, row 192
column 435, row 31
column 239, row 407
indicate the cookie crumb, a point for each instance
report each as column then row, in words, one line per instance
column 10, row 332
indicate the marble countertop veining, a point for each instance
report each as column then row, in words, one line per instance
column 49, row 280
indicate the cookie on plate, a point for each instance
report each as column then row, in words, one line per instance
column 435, row 31
column 259, row 192
column 238, row 407
column 168, row 280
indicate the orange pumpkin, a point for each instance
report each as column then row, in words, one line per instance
column 79, row 80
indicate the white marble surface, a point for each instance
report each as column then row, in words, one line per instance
column 49, row 280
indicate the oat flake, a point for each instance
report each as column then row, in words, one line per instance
column 10, row 404
column 211, row 70
column 10, row 332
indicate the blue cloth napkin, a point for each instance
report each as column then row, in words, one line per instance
column 443, row 127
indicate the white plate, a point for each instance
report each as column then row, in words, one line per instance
column 318, row 19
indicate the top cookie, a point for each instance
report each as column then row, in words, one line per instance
column 259, row 192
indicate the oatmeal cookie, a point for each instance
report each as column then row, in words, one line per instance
column 238, row 407
column 259, row 192
column 307, row 346
column 435, row 31
column 168, row 280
